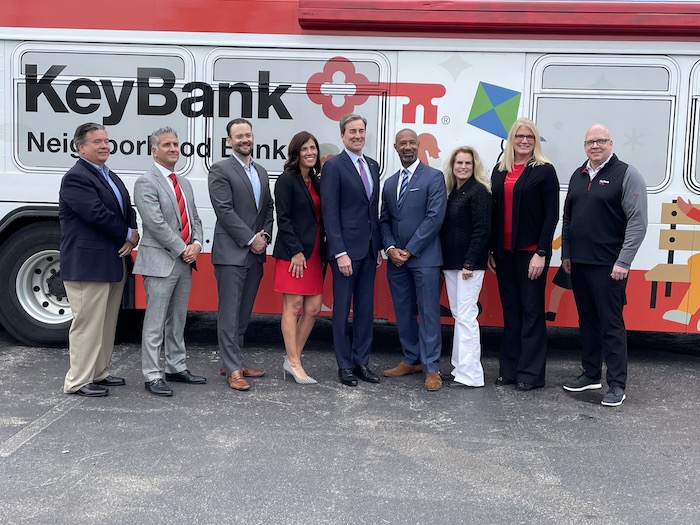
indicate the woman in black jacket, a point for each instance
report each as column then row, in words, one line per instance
column 465, row 240
column 299, row 249
column 525, row 214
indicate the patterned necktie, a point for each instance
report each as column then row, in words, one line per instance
column 184, row 221
column 363, row 176
column 404, row 185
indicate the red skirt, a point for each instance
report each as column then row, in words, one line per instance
column 311, row 283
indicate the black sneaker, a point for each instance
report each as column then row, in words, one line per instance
column 613, row 397
column 581, row 383
column 502, row 381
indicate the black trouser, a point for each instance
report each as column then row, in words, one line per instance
column 599, row 301
column 524, row 351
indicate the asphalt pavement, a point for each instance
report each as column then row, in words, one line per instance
column 331, row 454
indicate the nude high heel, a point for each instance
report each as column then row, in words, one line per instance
column 287, row 369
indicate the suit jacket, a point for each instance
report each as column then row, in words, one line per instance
column 349, row 216
column 296, row 218
column 93, row 225
column 535, row 208
column 237, row 217
column 415, row 225
column 156, row 203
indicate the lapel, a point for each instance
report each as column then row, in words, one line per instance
column 101, row 179
column 412, row 181
column 303, row 188
column 355, row 175
column 167, row 186
column 238, row 169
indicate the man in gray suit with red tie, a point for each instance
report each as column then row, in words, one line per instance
column 240, row 195
column 98, row 233
column 413, row 208
column 349, row 206
column 172, row 239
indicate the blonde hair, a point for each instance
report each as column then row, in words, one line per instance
column 538, row 158
column 479, row 171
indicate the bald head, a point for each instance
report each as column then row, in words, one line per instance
column 598, row 144
column 406, row 146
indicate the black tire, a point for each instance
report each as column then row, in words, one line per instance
column 34, row 307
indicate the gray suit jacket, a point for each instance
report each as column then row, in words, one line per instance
column 237, row 217
column 161, row 244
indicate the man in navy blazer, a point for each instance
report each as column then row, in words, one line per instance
column 349, row 206
column 413, row 207
column 98, row 233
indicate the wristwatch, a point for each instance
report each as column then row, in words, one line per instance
column 542, row 253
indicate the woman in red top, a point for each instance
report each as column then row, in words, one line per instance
column 525, row 214
column 298, row 249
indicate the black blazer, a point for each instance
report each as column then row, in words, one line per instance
column 296, row 218
column 93, row 226
column 466, row 229
column 535, row 209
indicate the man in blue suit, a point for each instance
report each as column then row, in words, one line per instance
column 413, row 207
column 349, row 205
column 98, row 233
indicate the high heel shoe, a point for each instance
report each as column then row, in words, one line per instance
column 287, row 369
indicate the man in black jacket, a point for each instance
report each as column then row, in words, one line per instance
column 605, row 220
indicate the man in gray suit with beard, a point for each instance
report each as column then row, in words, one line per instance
column 240, row 195
column 172, row 239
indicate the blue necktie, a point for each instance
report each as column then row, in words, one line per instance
column 404, row 185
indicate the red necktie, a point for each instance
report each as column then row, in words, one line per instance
column 184, row 221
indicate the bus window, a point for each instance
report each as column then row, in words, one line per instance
column 571, row 93
column 693, row 146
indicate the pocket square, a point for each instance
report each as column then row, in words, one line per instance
column 414, row 189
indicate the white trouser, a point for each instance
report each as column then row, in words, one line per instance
column 463, row 295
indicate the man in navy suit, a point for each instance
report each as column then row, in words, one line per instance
column 98, row 233
column 413, row 207
column 349, row 206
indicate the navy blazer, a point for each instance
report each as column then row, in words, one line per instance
column 93, row 225
column 349, row 216
column 415, row 225
column 296, row 218
column 535, row 208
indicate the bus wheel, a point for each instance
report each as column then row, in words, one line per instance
column 33, row 303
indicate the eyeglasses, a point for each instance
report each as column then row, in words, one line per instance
column 600, row 142
column 529, row 138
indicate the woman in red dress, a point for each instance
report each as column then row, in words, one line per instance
column 298, row 249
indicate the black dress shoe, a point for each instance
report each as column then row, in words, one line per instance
column 186, row 377
column 92, row 390
column 158, row 387
column 347, row 377
column 363, row 372
column 526, row 387
column 502, row 381
column 111, row 381
column 447, row 377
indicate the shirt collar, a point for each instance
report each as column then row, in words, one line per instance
column 252, row 163
column 590, row 169
column 101, row 169
column 412, row 168
column 354, row 156
column 163, row 170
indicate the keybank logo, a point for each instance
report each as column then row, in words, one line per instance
column 155, row 95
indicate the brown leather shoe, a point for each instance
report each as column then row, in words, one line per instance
column 252, row 372
column 236, row 381
column 403, row 369
column 433, row 381
column 247, row 372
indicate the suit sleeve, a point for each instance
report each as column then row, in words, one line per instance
column 270, row 207
column 221, row 195
column 330, row 208
column 385, row 221
column 431, row 224
column 197, row 230
column 550, row 200
column 284, row 198
column 81, row 195
column 148, row 203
